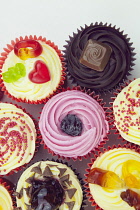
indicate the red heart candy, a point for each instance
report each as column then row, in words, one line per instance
column 40, row 73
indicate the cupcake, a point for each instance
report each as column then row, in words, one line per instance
column 72, row 123
column 114, row 180
column 17, row 138
column 31, row 69
column 126, row 110
column 99, row 57
column 6, row 202
column 49, row 185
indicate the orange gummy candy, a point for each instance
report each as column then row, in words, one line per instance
column 104, row 178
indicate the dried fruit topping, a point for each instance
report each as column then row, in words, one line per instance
column 132, row 198
column 104, row 178
column 47, row 194
column 14, row 73
column 71, row 125
column 27, row 49
column 131, row 173
column 40, row 74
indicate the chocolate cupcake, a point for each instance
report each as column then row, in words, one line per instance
column 99, row 57
column 49, row 185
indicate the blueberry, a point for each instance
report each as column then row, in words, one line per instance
column 71, row 125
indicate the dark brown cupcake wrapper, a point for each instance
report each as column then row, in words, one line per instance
column 95, row 156
column 107, row 113
column 132, row 59
column 82, row 183
column 10, row 47
column 37, row 143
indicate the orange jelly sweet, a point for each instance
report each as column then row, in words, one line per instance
column 104, row 178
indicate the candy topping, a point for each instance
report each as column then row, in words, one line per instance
column 14, row 73
column 95, row 55
column 131, row 173
column 23, row 52
column 71, row 125
column 132, row 198
column 40, row 73
column 48, row 194
column 104, row 178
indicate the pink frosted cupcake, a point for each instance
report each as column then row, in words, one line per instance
column 31, row 69
column 73, row 123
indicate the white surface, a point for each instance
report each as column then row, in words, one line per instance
column 57, row 19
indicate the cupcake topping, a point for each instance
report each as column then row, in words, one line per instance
column 40, row 74
column 48, row 191
column 71, row 125
column 95, row 55
column 14, row 73
column 132, row 198
column 27, row 49
column 105, row 178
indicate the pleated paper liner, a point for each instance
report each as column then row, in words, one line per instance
column 81, row 181
column 99, row 144
column 112, row 117
column 72, row 58
column 9, row 187
column 10, row 47
column 92, row 160
column 37, row 142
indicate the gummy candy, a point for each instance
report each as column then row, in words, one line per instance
column 71, row 125
column 40, row 73
column 131, row 173
column 27, row 49
column 132, row 198
column 14, row 73
column 104, row 178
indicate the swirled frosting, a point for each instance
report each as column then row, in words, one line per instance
column 113, row 160
column 24, row 88
column 5, row 199
column 117, row 67
column 17, row 138
column 60, row 172
column 91, row 114
column 126, row 109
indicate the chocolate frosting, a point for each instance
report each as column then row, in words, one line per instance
column 118, row 66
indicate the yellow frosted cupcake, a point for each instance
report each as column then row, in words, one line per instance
column 126, row 109
column 6, row 202
column 49, row 185
column 31, row 69
column 114, row 180
column 17, row 138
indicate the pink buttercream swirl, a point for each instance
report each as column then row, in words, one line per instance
column 92, row 115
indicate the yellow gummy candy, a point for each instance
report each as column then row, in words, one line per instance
column 111, row 181
column 131, row 173
column 25, row 53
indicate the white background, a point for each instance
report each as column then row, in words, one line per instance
column 57, row 19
